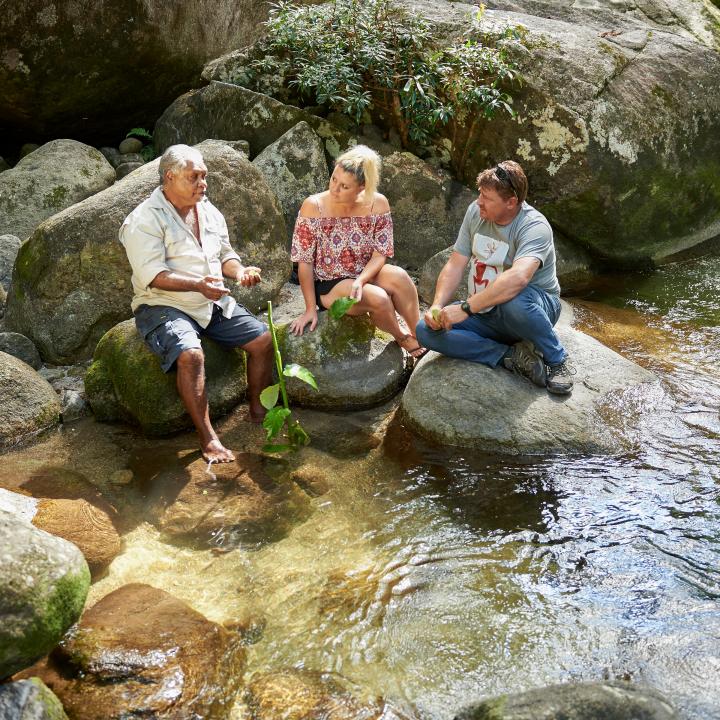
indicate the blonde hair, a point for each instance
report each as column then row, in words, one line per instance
column 365, row 164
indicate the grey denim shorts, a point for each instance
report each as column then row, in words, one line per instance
column 169, row 331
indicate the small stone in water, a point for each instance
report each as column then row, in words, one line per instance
column 121, row 477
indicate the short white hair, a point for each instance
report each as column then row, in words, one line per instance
column 176, row 158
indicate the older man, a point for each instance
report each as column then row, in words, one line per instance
column 178, row 247
column 513, row 293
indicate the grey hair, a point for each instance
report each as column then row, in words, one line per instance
column 176, row 157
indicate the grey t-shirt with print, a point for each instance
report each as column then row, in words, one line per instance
column 528, row 235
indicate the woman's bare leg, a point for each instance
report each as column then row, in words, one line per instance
column 403, row 293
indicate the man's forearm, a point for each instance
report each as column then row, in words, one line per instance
column 503, row 288
column 232, row 268
column 447, row 284
column 175, row 280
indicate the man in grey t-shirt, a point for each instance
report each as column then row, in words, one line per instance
column 513, row 293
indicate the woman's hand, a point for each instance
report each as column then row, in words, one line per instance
column 297, row 326
column 356, row 289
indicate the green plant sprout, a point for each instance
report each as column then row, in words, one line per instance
column 279, row 416
column 147, row 152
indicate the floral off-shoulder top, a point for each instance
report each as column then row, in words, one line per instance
column 340, row 247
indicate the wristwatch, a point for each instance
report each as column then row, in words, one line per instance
column 465, row 307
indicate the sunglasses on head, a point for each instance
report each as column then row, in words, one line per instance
column 504, row 177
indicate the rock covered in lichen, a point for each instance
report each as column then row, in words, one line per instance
column 125, row 382
column 48, row 180
column 29, row 700
column 355, row 365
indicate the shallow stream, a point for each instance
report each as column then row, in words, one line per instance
column 433, row 577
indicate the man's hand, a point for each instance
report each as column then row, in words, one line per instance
column 452, row 314
column 433, row 317
column 249, row 276
column 213, row 288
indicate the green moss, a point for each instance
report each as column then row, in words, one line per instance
column 489, row 710
column 56, row 198
column 619, row 58
column 52, row 707
column 85, row 172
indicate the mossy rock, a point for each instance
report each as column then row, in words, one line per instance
column 30, row 700
column 355, row 365
column 125, row 382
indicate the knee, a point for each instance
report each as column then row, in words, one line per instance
column 193, row 359
column 517, row 309
column 261, row 345
column 379, row 301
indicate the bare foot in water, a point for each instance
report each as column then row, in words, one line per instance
column 215, row 452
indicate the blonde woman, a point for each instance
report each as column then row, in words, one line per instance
column 342, row 238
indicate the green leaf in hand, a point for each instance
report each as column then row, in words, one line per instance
column 300, row 372
column 341, row 306
column 269, row 396
column 274, row 420
column 435, row 312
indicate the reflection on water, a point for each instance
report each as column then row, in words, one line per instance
column 433, row 577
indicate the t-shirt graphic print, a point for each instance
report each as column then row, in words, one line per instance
column 488, row 258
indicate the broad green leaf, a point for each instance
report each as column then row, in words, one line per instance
column 269, row 396
column 341, row 306
column 274, row 420
column 297, row 435
column 276, row 448
column 301, row 373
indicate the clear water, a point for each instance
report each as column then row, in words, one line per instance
column 433, row 577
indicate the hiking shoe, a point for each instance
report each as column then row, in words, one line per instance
column 525, row 361
column 559, row 378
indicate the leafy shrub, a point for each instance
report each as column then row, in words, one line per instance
column 370, row 57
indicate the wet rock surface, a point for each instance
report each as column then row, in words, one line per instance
column 44, row 581
column 48, row 180
column 141, row 652
column 582, row 701
column 493, row 410
column 65, row 310
column 28, row 404
column 355, row 365
column 125, row 382
column 226, row 504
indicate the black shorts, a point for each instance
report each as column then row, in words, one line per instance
column 323, row 287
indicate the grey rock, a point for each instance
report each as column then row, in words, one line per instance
column 130, row 145
column 125, row 168
column 65, row 311
column 428, row 207
column 624, row 157
column 467, row 404
column 132, row 157
column 580, row 701
column 125, row 382
column 9, row 246
column 43, row 585
column 354, row 364
column 20, row 347
column 3, row 299
column 28, row 148
column 112, row 155
column 28, row 404
column 74, row 405
column 220, row 110
column 429, row 275
column 54, row 177
column 242, row 146
column 112, row 90
column 294, row 167
column 29, row 700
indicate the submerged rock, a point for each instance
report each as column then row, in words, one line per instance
column 581, row 701
column 84, row 525
column 140, row 652
column 354, row 364
column 44, row 581
column 227, row 504
column 72, row 279
column 294, row 167
column 467, row 404
column 29, row 700
column 126, row 382
column 50, row 179
column 28, row 404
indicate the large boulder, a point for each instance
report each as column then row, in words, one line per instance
column 9, row 246
column 72, row 279
column 48, row 180
column 140, row 652
column 44, row 581
column 20, row 347
column 625, row 158
column 125, row 382
column 294, row 167
column 457, row 402
column 29, row 700
column 230, row 112
column 28, row 404
column 127, row 61
column 428, row 207
column 579, row 701
column 355, row 365
column 86, row 526
column 235, row 503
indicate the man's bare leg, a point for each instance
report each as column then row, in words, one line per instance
column 259, row 372
column 191, row 388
